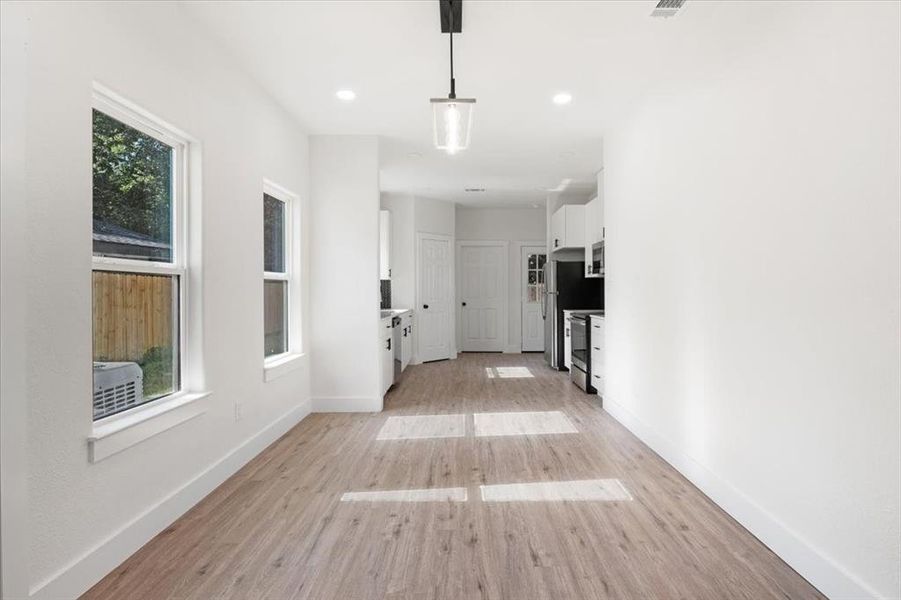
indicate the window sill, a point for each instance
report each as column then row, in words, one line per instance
column 280, row 365
column 133, row 427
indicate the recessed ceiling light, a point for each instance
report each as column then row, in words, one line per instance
column 346, row 95
column 562, row 98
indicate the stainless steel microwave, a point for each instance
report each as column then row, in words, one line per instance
column 597, row 258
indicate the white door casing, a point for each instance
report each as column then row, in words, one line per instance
column 531, row 289
column 434, row 296
column 482, row 295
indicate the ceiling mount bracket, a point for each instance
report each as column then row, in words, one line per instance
column 451, row 15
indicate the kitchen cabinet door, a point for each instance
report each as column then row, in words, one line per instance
column 568, row 227
column 567, row 343
column 601, row 222
column 592, row 231
column 407, row 340
column 575, row 225
column 384, row 244
column 558, row 228
column 386, row 341
column 598, row 368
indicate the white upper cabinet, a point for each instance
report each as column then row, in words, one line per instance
column 568, row 227
column 384, row 244
column 601, row 222
column 594, row 224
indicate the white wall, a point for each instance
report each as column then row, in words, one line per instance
column 82, row 519
column 344, row 283
column 518, row 227
column 753, row 289
column 434, row 216
column 13, row 311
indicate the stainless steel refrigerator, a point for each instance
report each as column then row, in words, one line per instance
column 566, row 288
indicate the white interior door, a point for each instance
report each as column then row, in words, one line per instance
column 435, row 297
column 483, row 298
column 533, row 259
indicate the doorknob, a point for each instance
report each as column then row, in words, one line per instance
column 464, row 304
column 425, row 305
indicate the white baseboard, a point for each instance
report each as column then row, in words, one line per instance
column 78, row 577
column 329, row 404
column 512, row 350
column 821, row 571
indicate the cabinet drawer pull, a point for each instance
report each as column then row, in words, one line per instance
column 596, row 348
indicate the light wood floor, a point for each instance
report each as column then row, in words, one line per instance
column 277, row 529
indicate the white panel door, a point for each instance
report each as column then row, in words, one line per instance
column 483, row 298
column 435, row 296
column 533, row 259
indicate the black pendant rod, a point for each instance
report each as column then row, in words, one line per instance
column 453, row 90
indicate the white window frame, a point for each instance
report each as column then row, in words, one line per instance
column 133, row 116
column 278, row 364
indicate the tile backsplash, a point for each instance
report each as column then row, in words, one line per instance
column 385, row 292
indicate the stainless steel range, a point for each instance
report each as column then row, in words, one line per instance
column 580, row 339
column 579, row 332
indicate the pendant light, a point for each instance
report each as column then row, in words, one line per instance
column 452, row 116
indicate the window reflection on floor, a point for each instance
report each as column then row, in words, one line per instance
column 427, row 495
column 584, row 490
column 508, row 372
column 598, row 490
column 423, row 426
column 513, row 372
column 522, row 423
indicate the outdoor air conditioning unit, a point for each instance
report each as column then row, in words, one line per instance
column 117, row 386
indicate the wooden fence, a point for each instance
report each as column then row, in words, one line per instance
column 132, row 313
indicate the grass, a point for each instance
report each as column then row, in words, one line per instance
column 157, row 367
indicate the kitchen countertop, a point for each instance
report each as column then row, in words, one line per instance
column 596, row 312
column 393, row 312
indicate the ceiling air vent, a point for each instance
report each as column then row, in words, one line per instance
column 472, row 190
column 667, row 8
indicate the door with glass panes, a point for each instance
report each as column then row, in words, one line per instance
column 533, row 259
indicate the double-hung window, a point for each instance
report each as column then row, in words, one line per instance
column 277, row 228
column 139, row 259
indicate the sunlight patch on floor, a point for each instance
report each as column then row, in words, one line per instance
column 426, row 495
column 522, row 423
column 598, row 490
column 489, row 372
column 422, row 427
column 513, row 372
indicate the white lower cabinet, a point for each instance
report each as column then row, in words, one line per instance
column 596, row 337
column 406, row 347
column 386, row 354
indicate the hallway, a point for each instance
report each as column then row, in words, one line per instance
column 279, row 527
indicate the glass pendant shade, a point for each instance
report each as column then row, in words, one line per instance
column 452, row 123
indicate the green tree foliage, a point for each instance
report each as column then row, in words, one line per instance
column 132, row 179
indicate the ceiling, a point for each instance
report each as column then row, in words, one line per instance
column 511, row 56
